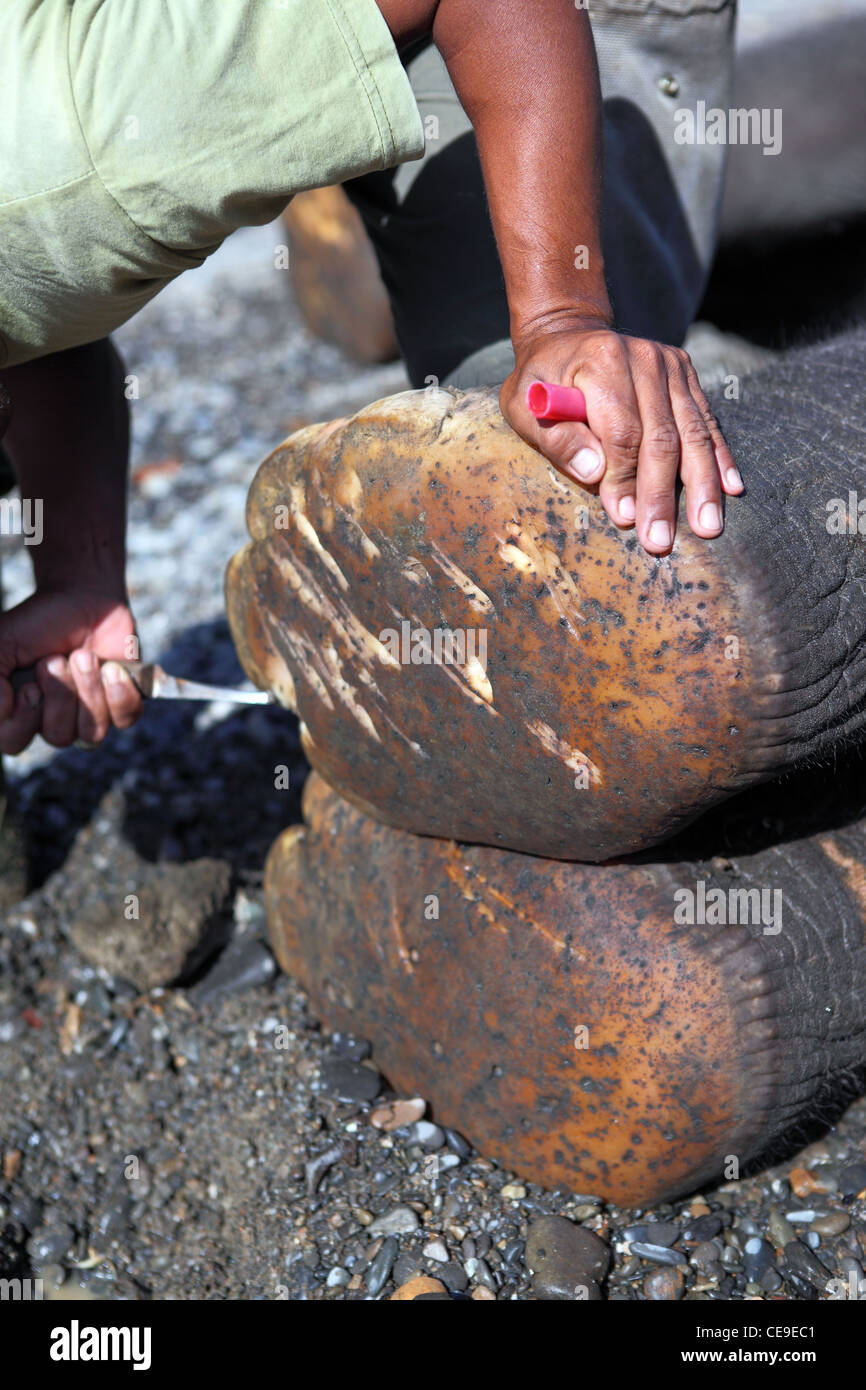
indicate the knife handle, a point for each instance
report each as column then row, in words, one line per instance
column 26, row 675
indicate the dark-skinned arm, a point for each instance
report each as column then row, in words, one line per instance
column 526, row 74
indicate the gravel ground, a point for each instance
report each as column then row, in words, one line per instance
column 207, row 1141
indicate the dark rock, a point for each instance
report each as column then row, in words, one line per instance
column 245, row 963
column 804, row 1266
column 565, row 1259
column 316, row 1168
column 406, row 1266
column 852, row 1179
column 653, row 1233
column 380, row 1266
column 758, row 1257
column 514, row 1251
column 703, row 1228
column 350, row 1080
column 453, row 1276
column 182, row 910
column 457, row 1144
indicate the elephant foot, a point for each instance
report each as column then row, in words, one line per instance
column 335, row 275
column 631, row 1030
column 476, row 652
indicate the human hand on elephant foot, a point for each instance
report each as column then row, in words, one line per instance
column 476, row 652
column 585, row 1025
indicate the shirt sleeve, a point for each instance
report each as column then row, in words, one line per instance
column 201, row 116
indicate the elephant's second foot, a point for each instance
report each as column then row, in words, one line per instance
column 582, row 1025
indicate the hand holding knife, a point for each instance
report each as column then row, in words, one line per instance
column 156, row 684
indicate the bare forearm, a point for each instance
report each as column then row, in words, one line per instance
column 526, row 73
column 527, row 76
column 69, row 443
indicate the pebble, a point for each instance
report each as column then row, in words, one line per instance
column 436, row 1251
column 380, row 1266
column 513, row 1250
column 781, row 1231
column 852, row 1180
column 480, row 1272
column 406, row 1266
column 454, row 1277
column 449, row 1161
column 832, row 1225
column 664, row 1285
column 399, row 1221
column 457, row 1144
column 398, row 1113
column 564, row 1258
column 429, row 1136
column 513, row 1192
column 349, row 1080
column 804, row 1183
column 654, row 1233
column 704, row 1228
column 800, row 1261
column 415, row 1288
column 316, row 1168
column 244, row 964
column 585, row 1211
column 659, row 1254
column 758, row 1257
column 337, row 1278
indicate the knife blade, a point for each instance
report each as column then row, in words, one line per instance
column 156, row 684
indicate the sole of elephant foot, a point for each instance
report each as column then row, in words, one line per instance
column 476, row 652
column 586, row 1026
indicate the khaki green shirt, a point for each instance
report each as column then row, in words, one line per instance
column 136, row 134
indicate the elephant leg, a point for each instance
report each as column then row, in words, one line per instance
column 629, row 1030
column 475, row 652
column 335, row 276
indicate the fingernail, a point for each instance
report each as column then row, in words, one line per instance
column 84, row 661
column 660, row 534
column 710, row 516
column 586, row 463
column 115, row 675
column 56, row 667
column 733, row 478
column 32, row 695
column 625, row 508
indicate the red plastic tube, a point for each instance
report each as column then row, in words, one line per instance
column 547, row 401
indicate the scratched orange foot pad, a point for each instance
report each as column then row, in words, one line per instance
column 578, row 1022
column 474, row 650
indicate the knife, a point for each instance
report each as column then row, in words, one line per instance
column 156, row 684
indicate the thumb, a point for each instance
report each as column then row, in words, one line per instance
column 570, row 445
